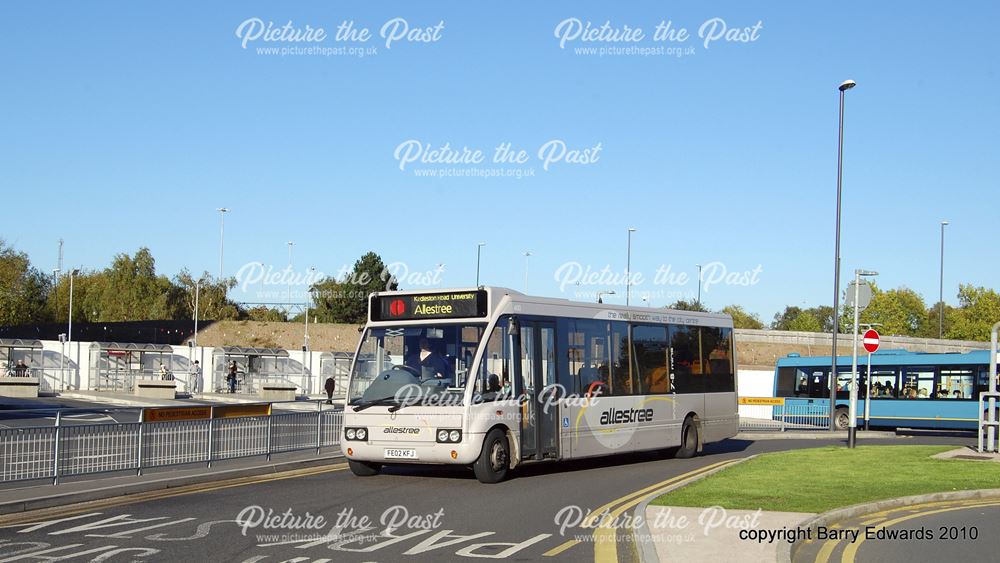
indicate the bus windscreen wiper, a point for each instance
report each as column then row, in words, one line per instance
column 390, row 400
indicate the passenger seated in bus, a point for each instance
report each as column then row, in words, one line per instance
column 910, row 393
column 958, row 394
column 493, row 383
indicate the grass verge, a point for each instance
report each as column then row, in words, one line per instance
column 821, row 479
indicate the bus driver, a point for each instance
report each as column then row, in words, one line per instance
column 429, row 362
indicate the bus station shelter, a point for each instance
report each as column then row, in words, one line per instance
column 14, row 349
column 115, row 366
column 338, row 366
column 254, row 367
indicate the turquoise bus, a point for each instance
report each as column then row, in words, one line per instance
column 907, row 389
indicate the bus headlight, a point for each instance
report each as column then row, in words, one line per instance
column 360, row 434
column 448, row 436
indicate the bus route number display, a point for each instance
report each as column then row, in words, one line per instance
column 451, row 305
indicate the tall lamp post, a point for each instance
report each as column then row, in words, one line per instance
column 527, row 253
column 941, row 287
column 699, row 284
column 222, row 235
column 69, row 329
column 628, row 267
column 844, row 87
column 601, row 294
column 197, row 292
column 479, row 254
column 290, row 245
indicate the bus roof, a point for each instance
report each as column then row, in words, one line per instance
column 891, row 358
column 501, row 298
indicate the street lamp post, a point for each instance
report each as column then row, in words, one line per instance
column 290, row 245
column 601, row 294
column 941, row 287
column 69, row 329
column 844, row 87
column 527, row 253
column 699, row 284
column 479, row 253
column 628, row 267
column 222, row 235
column 853, row 407
column 197, row 291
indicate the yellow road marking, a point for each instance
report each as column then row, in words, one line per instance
column 589, row 521
column 851, row 550
column 830, row 545
column 561, row 548
column 826, row 551
column 60, row 511
column 605, row 540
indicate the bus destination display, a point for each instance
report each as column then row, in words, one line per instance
column 451, row 305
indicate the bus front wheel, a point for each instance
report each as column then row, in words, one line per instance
column 494, row 460
column 363, row 469
column 843, row 418
column 689, row 439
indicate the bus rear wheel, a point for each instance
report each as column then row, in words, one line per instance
column 494, row 460
column 842, row 418
column 363, row 468
column 689, row 439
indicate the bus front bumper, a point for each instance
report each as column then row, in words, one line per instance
column 392, row 452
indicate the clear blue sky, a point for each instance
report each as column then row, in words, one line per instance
column 127, row 124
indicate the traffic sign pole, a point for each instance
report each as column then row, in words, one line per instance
column 871, row 343
column 868, row 391
column 852, row 423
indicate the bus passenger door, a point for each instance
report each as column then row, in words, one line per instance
column 538, row 371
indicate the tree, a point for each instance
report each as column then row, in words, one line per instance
column 979, row 309
column 784, row 319
column 213, row 300
column 267, row 314
column 346, row 300
column 900, row 311
column 932, row 325
column 23, row 289
column 805, row 322
column 683, row 305
column 741, row 318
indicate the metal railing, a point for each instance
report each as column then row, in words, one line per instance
column 783, row 417
column 52, row 444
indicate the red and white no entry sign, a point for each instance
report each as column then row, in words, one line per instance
column 870, row 340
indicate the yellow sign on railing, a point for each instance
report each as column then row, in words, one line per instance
column 167, row 414
column 769, row 401
column 233, row 411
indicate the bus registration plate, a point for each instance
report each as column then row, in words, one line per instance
column 397, row 453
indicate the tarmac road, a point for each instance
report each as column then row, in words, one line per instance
column 436, row 514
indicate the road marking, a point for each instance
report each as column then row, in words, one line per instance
column 593, row 515
column 851, row 550
column 561, row 548
column 829, row 546
column 48, row 513
column 605, row 540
